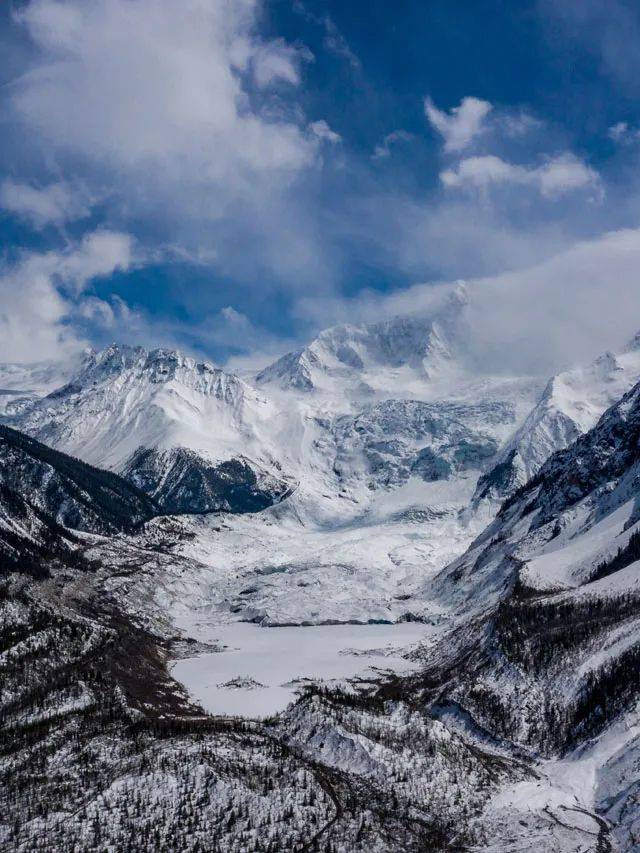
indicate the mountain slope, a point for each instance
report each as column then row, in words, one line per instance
column 516, row 730
column 182, row 480
column 163, row 418
column 46, row 495
column 570, row 405
column 545, row 652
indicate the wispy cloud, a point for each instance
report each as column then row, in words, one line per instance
column 461, row 125
column 322, row 131
column 622, row 133
column 53, row 204
column 334, row 41
column 276, row 61
column 383, row 149
column 555, row 177
column 42, row 292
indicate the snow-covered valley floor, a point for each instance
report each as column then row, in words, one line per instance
column 259, row 670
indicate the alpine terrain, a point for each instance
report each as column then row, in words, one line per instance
column 367, row 599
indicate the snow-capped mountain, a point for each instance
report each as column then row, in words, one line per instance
column 377, row 358
column 191, row 435
column 510, row 724
column 426, row 436
column 570, row 405
column 516, row 728
column 123, row 398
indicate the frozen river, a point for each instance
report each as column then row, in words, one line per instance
column 257, row 674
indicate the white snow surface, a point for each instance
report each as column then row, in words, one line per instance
column 124, row 398
column 260, row 669
column 570, row 405
column 386, row 432
column 572, row 557
column 385, row 446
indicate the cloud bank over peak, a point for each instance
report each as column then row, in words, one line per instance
column 539, row 319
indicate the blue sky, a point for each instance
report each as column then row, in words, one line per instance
column 231, row 177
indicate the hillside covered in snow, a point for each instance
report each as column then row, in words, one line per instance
column 368, row 599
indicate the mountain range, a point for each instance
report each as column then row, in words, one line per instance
column 153, row 505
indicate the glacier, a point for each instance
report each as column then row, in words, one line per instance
column 369, row 596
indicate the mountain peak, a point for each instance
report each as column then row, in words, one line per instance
column 123, row 397
column 633, row 345
column 421, row 344
column 158, row 365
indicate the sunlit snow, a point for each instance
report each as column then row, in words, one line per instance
column 280, row 658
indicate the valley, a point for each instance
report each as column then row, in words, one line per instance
column 340, row 617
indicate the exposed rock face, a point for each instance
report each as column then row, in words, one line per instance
column 46, row 495
column 182, row 481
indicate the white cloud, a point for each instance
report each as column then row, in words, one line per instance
column 557, row 176
column 515, row 124
column 460, row 125
column 41, row 293
column 566, row 173
column 181, row 116
column 383, row 149
column 622, row 133
column 145, row 83
column 236, row 320
column 334, row 41
column 276, row 61
column 619, row 131
column 563, row 311
column 54, row 204
column 99, row 253
column 540, row 319
column 322, row 131
column 482, row 171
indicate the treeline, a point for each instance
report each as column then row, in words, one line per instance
column 625, row 557
column 537, row 644
column 536, row 633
